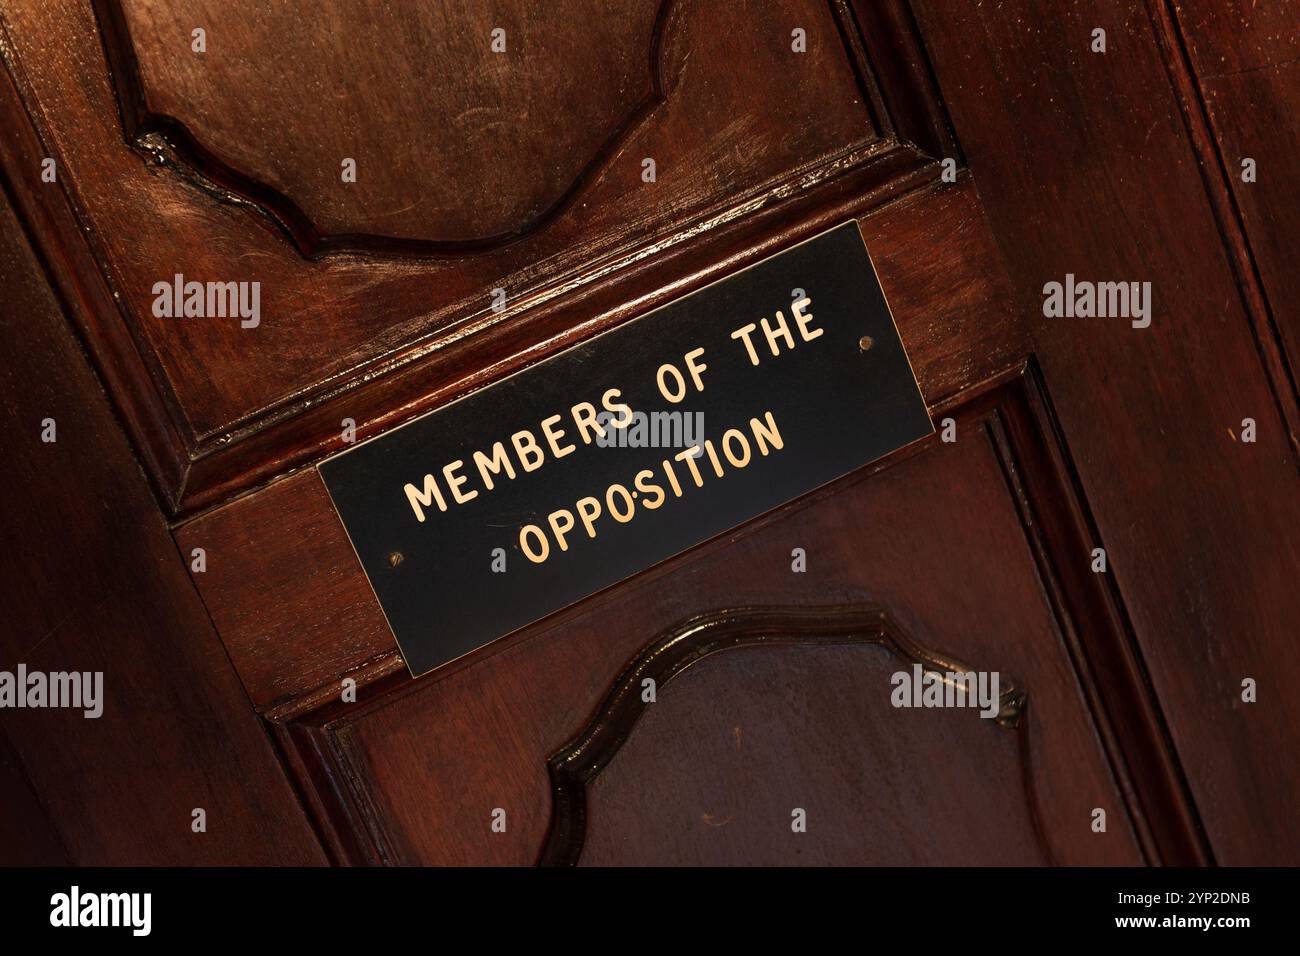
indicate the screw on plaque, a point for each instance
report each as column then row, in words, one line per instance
column 865, row 343
column 395, row 558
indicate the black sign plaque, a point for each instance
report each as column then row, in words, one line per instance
column 578, row 472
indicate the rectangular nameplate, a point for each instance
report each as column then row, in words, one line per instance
column 527, row 496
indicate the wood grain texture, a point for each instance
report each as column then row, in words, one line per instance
column 413, row 772
column 1202, row 531
column 93, row 582
column 715, row 772
column 456, row 116
column 1244, row 73
column 27, row 837
column 311, row 618
column 746, row 126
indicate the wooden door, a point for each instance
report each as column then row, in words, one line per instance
column 430, row 197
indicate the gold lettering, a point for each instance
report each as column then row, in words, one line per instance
column 679, row 392
column 764, row 435
column 622, row 517
column 672, row 478
column 696, row 369
column 713, row 457
column 553, row 436
column 589, row 509
column 555, row 518
column 455, row 481
column 646, row 487
column 736, row 460
column 584, row 415
column 781, row 331
column 617, row 408
column 421, row 499
column 802, row 319
column 495, row 464
column 743, row 334
column 526, row 446
column 533, row 530
column 688, row 455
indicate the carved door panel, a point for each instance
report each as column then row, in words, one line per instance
column 402, row 203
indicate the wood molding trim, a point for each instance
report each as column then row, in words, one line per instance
column 576, row 764
column 435, row 358
column 1278, row 365
column 167, row 140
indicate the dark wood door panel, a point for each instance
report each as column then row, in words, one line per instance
column 1245, row 75
column 734, row 727
column 458, row 117
column 718, row 768
column 27, row 835
column 229, row 176
column 943, row 538
column 92, row 582
column 1202, row 530
column 411, row 93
